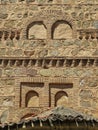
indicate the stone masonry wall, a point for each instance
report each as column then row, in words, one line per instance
column 46, row 45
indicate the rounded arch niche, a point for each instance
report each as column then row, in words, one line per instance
column 61, row 99
column 49, row 19
column 61, row 29
column 36, row 30
column 32, row 99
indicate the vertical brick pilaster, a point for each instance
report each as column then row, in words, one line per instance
column 17, row 94
column 52, row 100
column 46, row 95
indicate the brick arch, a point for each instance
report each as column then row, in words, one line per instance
column 28, row 23
column 48, row 17
column 40, row 23
column 59, row 95
column 67, row 19
column 57, row 24
column 32, row 97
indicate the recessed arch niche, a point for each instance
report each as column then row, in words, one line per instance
column 32, row 99
column 61, row 29
column 61, row 99
column 36, row 30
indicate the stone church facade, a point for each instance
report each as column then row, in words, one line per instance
column 48, row 56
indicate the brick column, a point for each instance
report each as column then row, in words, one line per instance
column 23, row 94
column 17, row 94
column 45, row 98
column 48, row 33
column 74, row 97
column 49, row 24
column 23, row 34
column 52, row 99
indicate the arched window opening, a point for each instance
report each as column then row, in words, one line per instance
column 36, row 30
column 61, row 99
column 61, row 30
column 32, row 99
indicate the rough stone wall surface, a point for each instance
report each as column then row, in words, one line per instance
column 47, row 47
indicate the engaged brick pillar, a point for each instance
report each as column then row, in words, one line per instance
column 52, row 99
column 49, row 24
column 17, row 94
column 45, row 101
column 23, row 94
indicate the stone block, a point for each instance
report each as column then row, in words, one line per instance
column 31, row 72
column 18, row 52
column 86, row 104
column 43, row 53
column 54, row 53
column 9, row 24
column 95, row 24
column 45, row 72
column 4, row 116
column 7, row 102
column 2, row 51
column 0, row 72
column 8, row 72
column 6, row 81
column 68, row 42
column 41, row 1
column 19, row 71
column 96, row 52
column 12, row 1
column 93, row 84
column 85, row 94
column 9, row 43
column 31, row 0
column 3, row 16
